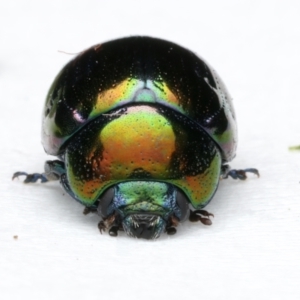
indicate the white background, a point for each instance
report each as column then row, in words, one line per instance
column 252, row 250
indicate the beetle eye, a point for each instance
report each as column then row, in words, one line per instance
column 183, row 205
column 104, row 202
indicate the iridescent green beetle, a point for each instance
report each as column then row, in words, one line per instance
column 143, row 130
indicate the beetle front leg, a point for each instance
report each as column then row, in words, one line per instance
column 171, row 225
column 237, row 174
column 112, row 223
column 201, row 215
column 53, row 171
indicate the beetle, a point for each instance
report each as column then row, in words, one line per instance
column 143, row 130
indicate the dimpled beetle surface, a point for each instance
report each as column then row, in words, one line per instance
column 143, row 130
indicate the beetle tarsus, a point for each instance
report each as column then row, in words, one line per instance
column 101, row 226
column 171, row 230
column 112, row 223
column 113, row 231
column 53, row 171
column 171, row 226
column 31, row 178
column 201, row 215
column 238, row 174
column 88, row 210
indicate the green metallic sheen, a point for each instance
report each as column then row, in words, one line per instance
column 110, row 76
column 143, row 143
column 143, row 196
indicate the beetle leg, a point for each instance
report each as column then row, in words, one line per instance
column 112, row 223
column 53, row 170
column 241, row 174
column 101, row 226
column 237, row 174
column 171, row 226
column 201, row 215
column 113, row 231
column 88, row 210
column 31, row 177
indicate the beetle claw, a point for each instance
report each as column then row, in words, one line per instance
column 202, row 216
column 30, row 178
column 205, row 221
column 239, row 174
column 112, row 223
column 101, row 226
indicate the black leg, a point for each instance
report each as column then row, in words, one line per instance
column 101, row 226
column 171, row 225
column 53, row 170
column 31, row 178
column 237, row 174
column 88, row 210
column 113, row 231
column 201, row 215
column 112, row 223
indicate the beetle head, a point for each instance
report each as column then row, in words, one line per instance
column 147, row 226
column 143, row 209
